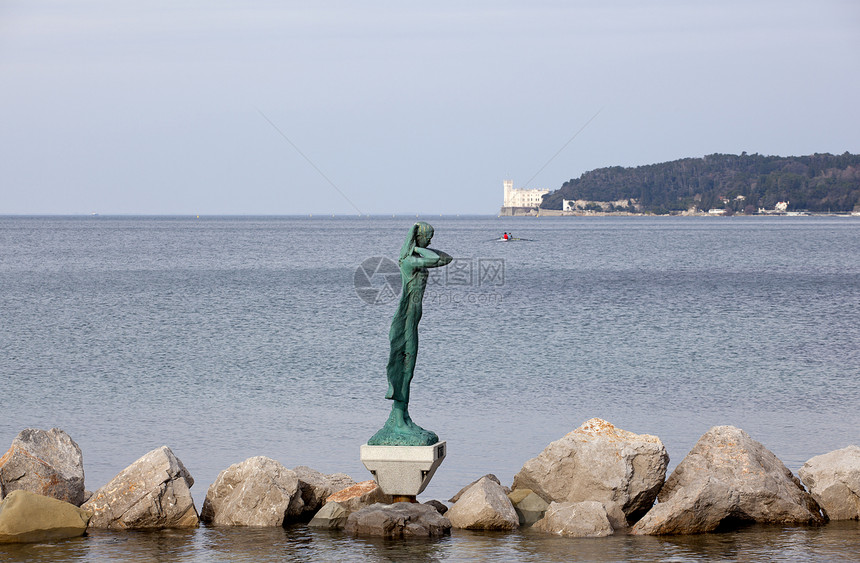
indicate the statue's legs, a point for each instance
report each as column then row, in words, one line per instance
column 409, row 358
column 399, row 429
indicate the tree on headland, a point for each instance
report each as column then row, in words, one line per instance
column 739, row 183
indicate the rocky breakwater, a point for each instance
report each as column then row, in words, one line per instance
column 728, row 479
column 152, row 493
column 599, row 462
column 595, row 481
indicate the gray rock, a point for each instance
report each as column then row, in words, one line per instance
column 440, row 507
column 587, row 519
column 359, row 496
column 833, row 480
column 701, row 505
column 489, row 476
column 519, row 494
column 154, row 492
column 600, row 462
column 340, row 481
column 332, row 516
column 399, row 520
column 29, row 517
column 256, row 492
column 728, row 479
column 529, row 506
column 316, row 487
column 484, row 506
column 45, row 462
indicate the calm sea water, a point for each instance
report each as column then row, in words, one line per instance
column 226, row 338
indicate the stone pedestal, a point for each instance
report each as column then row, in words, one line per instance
column 403, row 471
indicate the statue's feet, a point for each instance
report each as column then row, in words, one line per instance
column 399, row 430
column 415, row 429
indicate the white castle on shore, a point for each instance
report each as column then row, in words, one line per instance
column 521, row 199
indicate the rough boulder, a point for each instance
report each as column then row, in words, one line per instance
column 45, row 462
column 398, row 520
column 726, row 480
column 586, row 519
column 316, row 486
column 359, row 496
column 529, row 506
column 484, row 506
column 331, row 516
column 256, row 492
column 597, row 461
column 833, row 480
column 28, row 517
column 489, row 476
column 154, row 492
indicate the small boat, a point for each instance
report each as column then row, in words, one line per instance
column 509, row 239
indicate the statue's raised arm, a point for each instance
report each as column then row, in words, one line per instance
column 429, row 258
column 415, row 258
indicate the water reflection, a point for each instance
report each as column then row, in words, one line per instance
column 837, row 541
column 307, row 544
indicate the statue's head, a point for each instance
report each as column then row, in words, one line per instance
column 424, row 234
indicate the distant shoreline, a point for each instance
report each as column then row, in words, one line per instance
column 792, row 214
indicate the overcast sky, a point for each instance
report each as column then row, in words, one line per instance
column 281, row 107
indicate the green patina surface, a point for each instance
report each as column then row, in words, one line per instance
column 415, row 259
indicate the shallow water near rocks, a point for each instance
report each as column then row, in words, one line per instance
column 226, row 338
column 834, row 542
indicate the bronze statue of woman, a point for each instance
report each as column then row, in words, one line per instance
column 415, row 258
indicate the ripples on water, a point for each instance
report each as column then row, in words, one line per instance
column 834, row 542
column 226, row 338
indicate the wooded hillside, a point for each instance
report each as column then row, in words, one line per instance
column 819, row 182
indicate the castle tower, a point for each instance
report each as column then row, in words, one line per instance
column 509, row 192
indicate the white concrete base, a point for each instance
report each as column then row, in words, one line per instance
column 403, row 470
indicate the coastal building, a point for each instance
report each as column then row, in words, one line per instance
column 521, row 201
column 781, row 208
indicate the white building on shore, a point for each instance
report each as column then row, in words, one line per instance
column 781, row 208
column 521, row 201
